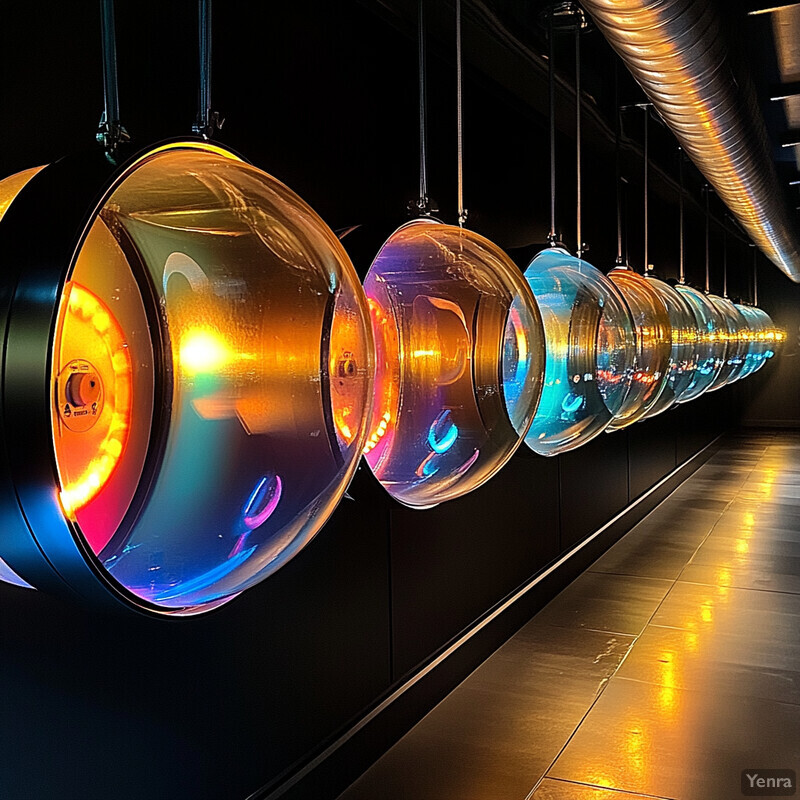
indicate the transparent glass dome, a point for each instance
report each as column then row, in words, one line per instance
column 651, row 324
column 460, row 355
column 590, row 350
column 683, row 351
column 774, row 335
column 211, row 374
column 764, row 339
column 710, row 346
column 736, row 342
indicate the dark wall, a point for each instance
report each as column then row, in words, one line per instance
column 323, row 95
column 774, row 391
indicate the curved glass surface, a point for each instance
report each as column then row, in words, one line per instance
column 774, row 336
column 460, row 355
column 590, row 349
column 710, row 347
column 756, row 340
column 682, row 362
column 10, row 187
column 212, row 376
column 651, row 324
column 764, row 338
column 736, row 329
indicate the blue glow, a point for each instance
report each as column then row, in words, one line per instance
column 442, row 442
column 571, row 403
column 589, row 348
column 206, row 579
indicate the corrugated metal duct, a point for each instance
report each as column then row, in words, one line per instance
column 676, row 51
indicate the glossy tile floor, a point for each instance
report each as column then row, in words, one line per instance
column 662, row 672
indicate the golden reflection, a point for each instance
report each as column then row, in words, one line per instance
column 203, row 351
column 667, row 681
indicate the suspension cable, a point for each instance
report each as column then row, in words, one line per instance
column 707, row 190
column 552, row 236
column 110, row 132
column 462, row 212
column 618, row 162
column 208, row 121
column 423, row 203
column 578, row 223
column 755, row 275
column 725, row 263
column 646, row 189
column 682, row 257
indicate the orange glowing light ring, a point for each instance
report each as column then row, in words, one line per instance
column 387, row 346
column 88, row 308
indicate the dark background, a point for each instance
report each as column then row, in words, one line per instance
column 323, row 95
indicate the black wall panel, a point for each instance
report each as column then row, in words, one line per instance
column 451, row 563
column 651, row 452
column 594, row 485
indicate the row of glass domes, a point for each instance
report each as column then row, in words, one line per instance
column 202, row 371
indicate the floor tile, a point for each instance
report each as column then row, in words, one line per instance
column 679, row 743
column 615, row 603
column 551, row 789
column 647, row 555
column 695, row 607
column 736, row 662
column 672, row 516
column 760, row 577
column 543, row 652
column 739, row 549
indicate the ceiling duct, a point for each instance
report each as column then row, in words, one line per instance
column 677, row 52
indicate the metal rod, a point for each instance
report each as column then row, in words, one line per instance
column 552, row 237
column 208, row 121
column 462, row 212
column 110, row 132
column 755, row 276
column 725, row 263
column 646, row 187
column 707, row 190
column 682, row 258
column 618, row 161
column 422, row 203
column 578, row 221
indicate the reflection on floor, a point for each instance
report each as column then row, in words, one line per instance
column 664, row 671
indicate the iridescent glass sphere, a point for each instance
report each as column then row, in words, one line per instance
column 710, row 353
column 683, row 351
column 460, row 355
column 590, row 351
column 653, row 331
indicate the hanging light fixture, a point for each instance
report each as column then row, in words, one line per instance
column 189, row 373
column 588, row 331
column 764, row 338
column 459, row 342
column 651, row 323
